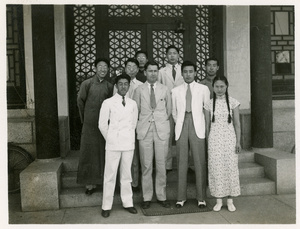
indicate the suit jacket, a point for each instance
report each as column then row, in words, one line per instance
column 117, row 123
column 165, row 76
column 160, row 115
column 200, row 95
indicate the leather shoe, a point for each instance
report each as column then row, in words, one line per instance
column 131, row 210
column 146, row 204
column 201, row 204
column 135, row 189
column 89, row 191
column 165, row 203
column 179, row 204
column 105, row 213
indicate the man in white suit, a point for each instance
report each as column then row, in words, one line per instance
column 117, row 123
column 153, row 130
column 171, row 76
column 188, row 100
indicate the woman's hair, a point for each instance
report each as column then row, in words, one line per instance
column 224, row 79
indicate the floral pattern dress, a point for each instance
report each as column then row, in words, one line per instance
column 223, row 173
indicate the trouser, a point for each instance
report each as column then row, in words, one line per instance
column 113, row 159
column 147, row 152
column 189, row 140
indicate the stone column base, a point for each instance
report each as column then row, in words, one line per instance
column 40, row 185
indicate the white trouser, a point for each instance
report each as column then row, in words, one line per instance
column 112, row 161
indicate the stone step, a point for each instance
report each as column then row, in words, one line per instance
column 71, row 161
column 75, row 197
column 246, row 169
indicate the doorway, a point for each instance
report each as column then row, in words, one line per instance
column 118, row 31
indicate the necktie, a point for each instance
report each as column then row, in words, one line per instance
column 123, row 101
column 152, row 98
column 173, row 72
column 188, row 99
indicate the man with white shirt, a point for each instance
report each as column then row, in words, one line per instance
column 188, row 100
column 170, row 76
column 117, row 123
column 131, row 69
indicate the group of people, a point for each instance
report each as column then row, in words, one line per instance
column 136, row 117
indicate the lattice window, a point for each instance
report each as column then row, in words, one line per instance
column 167, row 11
column 124, row 11
column 202, row 39
column 161, row 40
column 85, row 43
column 15, row 76
column 123, row 45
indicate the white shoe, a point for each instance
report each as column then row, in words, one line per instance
column 201, row 204
column 218, row 206
column 230, row 205
column 179, row 204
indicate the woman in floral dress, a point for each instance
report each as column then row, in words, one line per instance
column 223, row 134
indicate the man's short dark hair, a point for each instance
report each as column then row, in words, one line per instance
column 122, row 76
column 172, row 47
column 131, row 60
column 212, row 58
column 188, row 63
column 151, row 62
column 101, row 59
column 141, row 52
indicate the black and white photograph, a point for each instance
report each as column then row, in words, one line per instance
column 122, row 114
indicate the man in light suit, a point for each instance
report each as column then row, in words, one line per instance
column 153, row 130
column 171, row 76
column 188, row 100
column 131, row 69
column 117, row 123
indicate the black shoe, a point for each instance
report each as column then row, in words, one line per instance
column 105, row 213
column 146, row 204
column 165, row 203
column 168, row 170
column 131, row 210
column 135, row 189
column 89, row 191
column 190, row 171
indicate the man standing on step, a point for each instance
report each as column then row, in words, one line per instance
column 170, row 76
column 153, row 131
column 117, row 123
column 188, row 101
column 211, row 68
column 92, row 93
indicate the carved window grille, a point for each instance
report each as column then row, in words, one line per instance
column 123, row 45
column 167, row 11
column 85, row 43
column 202, row 39
column 124, row 11
column 15, row 75
column 163, row 39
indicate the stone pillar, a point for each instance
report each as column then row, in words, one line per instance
column 261, row 79
column 237, row 63
column 45, row 93
column 62, row 79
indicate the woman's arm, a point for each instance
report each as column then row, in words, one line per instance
column 207, row 123
column 237, row 128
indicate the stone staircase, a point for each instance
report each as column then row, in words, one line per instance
column 252, row 181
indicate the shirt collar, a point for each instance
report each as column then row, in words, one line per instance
column 191, row 84
column 171, row 66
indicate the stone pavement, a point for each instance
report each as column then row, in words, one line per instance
column 266, row 209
